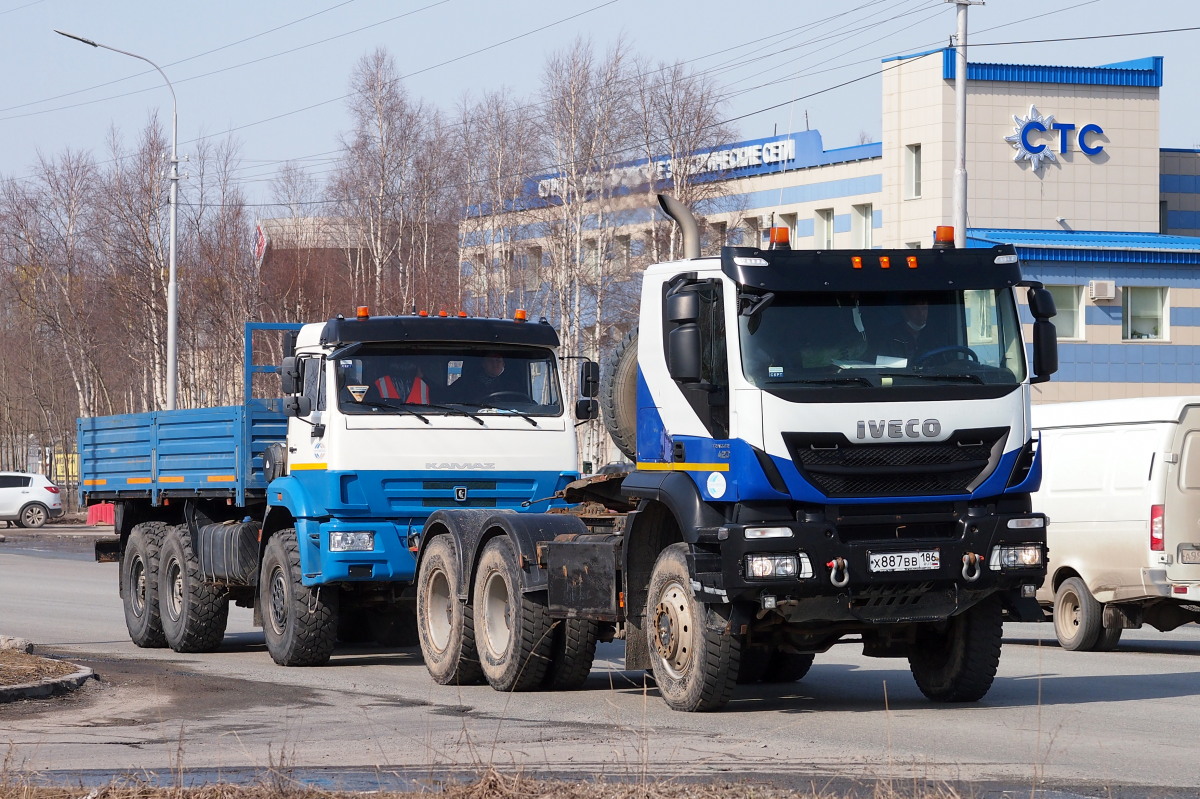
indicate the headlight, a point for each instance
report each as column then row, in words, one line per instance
column 768, row 532
column 778, row 567
column 351, row 540
column 1016, row 556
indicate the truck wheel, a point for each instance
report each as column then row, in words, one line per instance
column 786, row 667
column 299, row 622
column 139, row 584
column 618, row 397
column 958, row 661
column 512, row 630
column 445, row 625
column 194, row 613
column 1108, row 639
column 1077, row 616
column 572, row 654
column 695, row 657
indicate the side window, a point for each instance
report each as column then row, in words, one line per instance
column 9, row 481
column 314, row 381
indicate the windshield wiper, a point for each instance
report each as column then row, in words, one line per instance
column 833, row 381
column 456, row 411
column 387, row 406
column 477, row 406
column 963, row 378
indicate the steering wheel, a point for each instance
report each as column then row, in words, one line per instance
column 510, row 396
column 953, row 349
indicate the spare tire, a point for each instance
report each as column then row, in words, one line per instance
column 618, row 395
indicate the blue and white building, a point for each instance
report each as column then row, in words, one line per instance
column 1064, row 162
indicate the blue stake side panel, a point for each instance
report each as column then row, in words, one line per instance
column 212, row 452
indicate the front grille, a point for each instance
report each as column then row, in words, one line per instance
column 842, row 469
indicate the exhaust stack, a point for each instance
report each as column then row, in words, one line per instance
column 687, row 224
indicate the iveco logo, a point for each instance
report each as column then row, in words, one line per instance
column 899, row 428
column 461, row 467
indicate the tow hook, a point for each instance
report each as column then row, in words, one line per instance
column 971, row 567
column 838, row 567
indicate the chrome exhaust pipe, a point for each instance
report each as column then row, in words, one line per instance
column 687, row 224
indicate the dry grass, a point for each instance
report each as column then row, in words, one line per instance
column 18, row 668
column 491, row 784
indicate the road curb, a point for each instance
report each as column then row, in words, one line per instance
column 47, row 687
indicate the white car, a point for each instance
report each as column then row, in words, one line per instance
column 30, row 500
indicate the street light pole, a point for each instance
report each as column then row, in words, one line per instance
column 960, row 122
column 173, row 202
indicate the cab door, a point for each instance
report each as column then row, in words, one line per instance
column 1181, row 528
column 306, row 434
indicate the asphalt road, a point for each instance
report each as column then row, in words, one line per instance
column 1114, row 723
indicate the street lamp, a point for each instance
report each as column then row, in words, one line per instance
column 173, row 177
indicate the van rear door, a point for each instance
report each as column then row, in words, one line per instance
column 1182, row 517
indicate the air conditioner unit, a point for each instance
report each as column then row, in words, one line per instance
column 1102, row 290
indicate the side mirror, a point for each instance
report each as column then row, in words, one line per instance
column 587, row 409
column 683, row 353
column 297, row 406
column 289, row 375
column 1041, row 303
column 1045, row 349
column 683, row 306
column 589, row 379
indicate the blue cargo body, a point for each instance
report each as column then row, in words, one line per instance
column 203, row 452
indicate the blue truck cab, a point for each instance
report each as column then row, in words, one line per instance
column 308, row 508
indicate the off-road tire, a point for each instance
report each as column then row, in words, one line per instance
column 1078, row 617
column 785, row 667
column 193, row 613
column 956, row 661
column 139, row 584
column 618, row 395
column 445, row 626
column 299, row 622
column 512, row 628
column 572, row 653
column 33, row 516
column 694, row 653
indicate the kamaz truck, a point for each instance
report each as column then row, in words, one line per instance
column 829, row 446
column 307, row 508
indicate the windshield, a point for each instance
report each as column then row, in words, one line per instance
column 882, row 340
column 448, row 379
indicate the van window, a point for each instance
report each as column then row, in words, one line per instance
column 1189, row 471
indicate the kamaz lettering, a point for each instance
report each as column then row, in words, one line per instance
column 899, row 428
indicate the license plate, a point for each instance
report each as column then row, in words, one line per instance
column 1189, row 556
column 921, row 560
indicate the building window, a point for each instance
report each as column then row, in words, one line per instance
column 912, row 245
column 860, row 225
column 1144, row 312
column 1068, row 300
column 823, row 229
column 1162, row 216
column 912, row 171
column 789, row 221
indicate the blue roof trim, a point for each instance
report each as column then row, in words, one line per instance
column 1179, row 150
column 1091, row 246
column 1141, row 72
column 910, row 55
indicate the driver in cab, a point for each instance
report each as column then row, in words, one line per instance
column 490, row 379
column 912, row 336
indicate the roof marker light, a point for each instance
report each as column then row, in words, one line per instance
column 443, row 314
column 422, row 313
column 742, row 260
column 462, row 314
column 885, row 262
column 780, row 239
column 856, row 261
column 1011, row 258
column 912, row 261
column 364, row 312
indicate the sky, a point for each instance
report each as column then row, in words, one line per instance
column 273, row 74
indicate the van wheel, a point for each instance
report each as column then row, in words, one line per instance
column 957, row 661
column 139, row 584
column 194, row 613
column 445, row 625
column 299, row 622
column 695, row 657
column 512, row 628
column 1077, row 616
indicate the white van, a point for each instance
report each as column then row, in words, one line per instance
column 1121, row 487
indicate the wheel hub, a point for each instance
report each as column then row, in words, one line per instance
column 673, row 629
